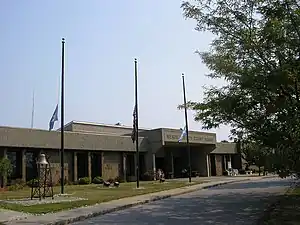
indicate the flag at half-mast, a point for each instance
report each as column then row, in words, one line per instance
column 134, row 128
column 183, row 134
column 54, row 118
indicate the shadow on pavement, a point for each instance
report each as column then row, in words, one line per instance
column 210, row 207
column 285, row 212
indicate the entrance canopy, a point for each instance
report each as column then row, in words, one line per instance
column 171, row 136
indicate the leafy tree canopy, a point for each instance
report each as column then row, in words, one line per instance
column 257, row 52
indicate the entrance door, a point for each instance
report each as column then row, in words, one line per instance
column 160, row 163
column 213, row 165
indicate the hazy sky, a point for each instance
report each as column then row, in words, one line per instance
column 102, row 40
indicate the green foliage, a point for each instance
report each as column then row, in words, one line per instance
column 148, row 175
column 84, row 180
column 5, row 167
column 256, row 52
column 98, row 180
column 18, row 184
column 32, row 183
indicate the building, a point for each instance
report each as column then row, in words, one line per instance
column 107, row 150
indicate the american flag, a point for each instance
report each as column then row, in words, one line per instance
column 134, row 129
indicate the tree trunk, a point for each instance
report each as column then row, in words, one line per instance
column 259, row 171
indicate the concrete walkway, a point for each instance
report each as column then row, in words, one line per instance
column 69, row 216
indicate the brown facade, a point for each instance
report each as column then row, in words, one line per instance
column 101, row 150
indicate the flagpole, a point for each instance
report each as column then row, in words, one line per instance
column 137, row 127
column 187, row 130
column 62, row 176
column 32, row 112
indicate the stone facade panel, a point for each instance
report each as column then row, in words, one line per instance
column 112, row 165
column 54, row 159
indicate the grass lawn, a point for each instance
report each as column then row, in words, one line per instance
column 288, row 210
column 93, row 193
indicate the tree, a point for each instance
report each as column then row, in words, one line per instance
column 257, row 53
column 257, row 155
column 5, row 168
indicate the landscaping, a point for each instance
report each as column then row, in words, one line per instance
column 92, row 194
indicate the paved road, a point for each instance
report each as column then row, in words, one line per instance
column 239, row 203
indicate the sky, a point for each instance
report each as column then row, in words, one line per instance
column 102, row 40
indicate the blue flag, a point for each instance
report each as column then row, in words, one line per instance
column 54, row 118
column 183, row 134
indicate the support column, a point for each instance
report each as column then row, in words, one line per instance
column 207, row 165
column 172, row 165
column 102, row 166
column 124, row 166
column 229, row 165
column 90, row 165
column 154, row 165
column 23, row 164
column 4, row 178
column 75, row 169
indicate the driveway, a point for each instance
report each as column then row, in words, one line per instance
column 240, row 203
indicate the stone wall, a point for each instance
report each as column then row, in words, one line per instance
column 112, row 165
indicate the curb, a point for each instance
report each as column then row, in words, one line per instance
column 153, row 199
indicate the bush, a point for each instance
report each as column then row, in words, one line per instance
column 84, row 180
column 242, row 172
column 98, row 180
column 119, row 179
column 19, row 182
column 225, row 173
column 15, row 187
column 32, row 183
column 148, row 176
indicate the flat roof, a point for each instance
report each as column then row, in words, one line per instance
column 128, row 127
column 103, row 125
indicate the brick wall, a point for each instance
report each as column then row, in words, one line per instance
column 219, row 169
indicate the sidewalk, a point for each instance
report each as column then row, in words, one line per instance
column 66, row 217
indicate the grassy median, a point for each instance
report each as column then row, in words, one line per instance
column 93, row 193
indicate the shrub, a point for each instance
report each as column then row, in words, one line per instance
column 19, row 182
column 242, row 172
column 98, row 180
column 225, row 173
column 32, row 183
column 84, row 180
column 15, row 187
column 119, row 179
column 148, row 176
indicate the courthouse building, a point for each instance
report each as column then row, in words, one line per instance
column 107, row 150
